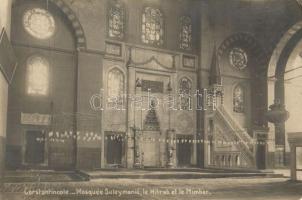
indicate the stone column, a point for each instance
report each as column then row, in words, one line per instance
column 137, row 149
column 278, row 115
column 294, row 140
column 170, row 148
column 131, row 124
column 293, row 172
column 88, row 84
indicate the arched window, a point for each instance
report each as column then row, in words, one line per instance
column 185, row 87
column 185, row 33
column 38, row 75
column 115, row 85
column 238, row 99
column 152, row 26
column 116, row 21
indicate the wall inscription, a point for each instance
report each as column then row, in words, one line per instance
column 35, row 119
column 153, row 86
column 113, row 49
column 188, row 62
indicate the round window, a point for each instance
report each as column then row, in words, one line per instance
column 238, row 58
column 39, row 23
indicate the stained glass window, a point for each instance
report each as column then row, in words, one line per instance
column 38, row 75
column 115, row 85
column 238, row 99
column 238, row 58
column 185, row 87
column 116, row 20
column 39, row 23
column 152, row 26
column 185, row 33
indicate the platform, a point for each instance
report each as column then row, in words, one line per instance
column 30, row 176
column 191, row 173
column 23, row 176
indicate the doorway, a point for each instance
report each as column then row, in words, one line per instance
column 34, row 147
column 184, row 150
column 114, row 149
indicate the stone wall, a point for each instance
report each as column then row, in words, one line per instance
column 220, row 20
column 265, row 22
column 5, row 13
column 59, row 52
column 79, row 73
column 3, row 113
column 83, row 74
column 93, row 17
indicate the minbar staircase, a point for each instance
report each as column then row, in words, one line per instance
column 242, row 140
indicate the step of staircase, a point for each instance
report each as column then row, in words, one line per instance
column 175, row 174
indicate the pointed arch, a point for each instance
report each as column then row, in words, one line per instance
column 246, row 41
column 277, row 64
column 75, row 23
column 72, row 19
column 256, row 64
column 115, row 84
